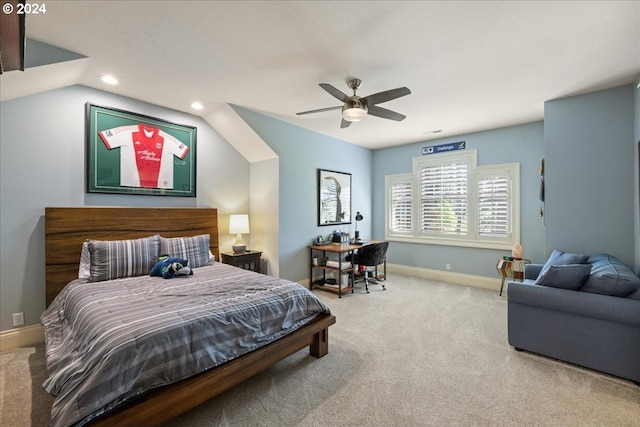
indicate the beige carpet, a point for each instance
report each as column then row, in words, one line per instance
column 418, row 354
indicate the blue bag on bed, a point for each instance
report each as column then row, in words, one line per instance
column 170, row 267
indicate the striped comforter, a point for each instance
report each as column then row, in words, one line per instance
column 109, row 341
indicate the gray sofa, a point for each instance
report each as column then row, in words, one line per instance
column 579, row 309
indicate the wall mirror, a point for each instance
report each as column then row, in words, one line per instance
column 334, row 197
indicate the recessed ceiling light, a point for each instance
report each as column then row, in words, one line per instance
column 197, row 106
column 110, row 80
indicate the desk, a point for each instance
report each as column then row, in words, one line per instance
column 342, row 267
column 512, row 269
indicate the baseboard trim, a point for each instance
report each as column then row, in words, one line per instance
column 439, row 276
column 446, row 276
column 27, row 336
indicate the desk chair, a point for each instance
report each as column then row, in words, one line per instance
column 370, row 256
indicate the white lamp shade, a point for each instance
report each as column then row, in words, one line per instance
column 354, row 114
column 238, row 224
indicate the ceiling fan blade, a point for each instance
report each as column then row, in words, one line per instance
column 345, row 124
column 319, row 110
column 387, row 95
column 334, row 92
column 374, row 110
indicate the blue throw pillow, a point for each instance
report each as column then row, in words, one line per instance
column 571, row 276
column 609, row 276
column 168, row 267
column 559, row 257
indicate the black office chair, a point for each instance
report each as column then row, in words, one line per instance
column 370, row 256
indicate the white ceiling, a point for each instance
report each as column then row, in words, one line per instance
column 471, row 65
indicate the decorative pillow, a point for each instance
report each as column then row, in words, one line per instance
column 84, row 271
column 570, row 276
column 113, row 259
column 170, row 267
column 195, row 249
column 559, row 257
column 609, row 276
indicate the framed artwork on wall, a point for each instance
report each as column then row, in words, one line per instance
column 129, row 153
column 334, row 197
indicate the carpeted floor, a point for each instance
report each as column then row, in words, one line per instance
column 420, row 353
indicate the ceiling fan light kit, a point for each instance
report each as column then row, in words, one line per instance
column 355, row 108
column 354, row 113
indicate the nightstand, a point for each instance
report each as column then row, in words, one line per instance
column 249, row 260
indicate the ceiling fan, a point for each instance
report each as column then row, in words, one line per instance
column 355, row 108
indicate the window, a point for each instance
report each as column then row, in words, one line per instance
column 449, row 200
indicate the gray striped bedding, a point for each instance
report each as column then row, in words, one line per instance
column 107, row 342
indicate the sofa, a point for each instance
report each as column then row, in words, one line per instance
column 579, row 309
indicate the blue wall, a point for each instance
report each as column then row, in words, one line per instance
column 591, row 160
column 302, row 153
column 523, row 144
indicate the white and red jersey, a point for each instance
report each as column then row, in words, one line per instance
column 146, row 155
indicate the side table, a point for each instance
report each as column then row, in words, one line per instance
column 248, row 260
column 511, row 269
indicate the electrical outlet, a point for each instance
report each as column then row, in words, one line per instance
column 18, row 319
column 447, row 266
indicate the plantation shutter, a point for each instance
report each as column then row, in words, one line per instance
column 493, row 206
column 444, row 198
column 401, row 206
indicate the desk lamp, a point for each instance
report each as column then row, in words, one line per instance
column 359, row 218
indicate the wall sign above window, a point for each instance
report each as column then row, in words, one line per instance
column 442, row 148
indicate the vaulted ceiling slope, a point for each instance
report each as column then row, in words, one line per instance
column 470, row 65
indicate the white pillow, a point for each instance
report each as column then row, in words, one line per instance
column 85, row 262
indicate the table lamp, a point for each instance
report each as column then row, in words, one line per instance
column 359, row 218
column 239, row 224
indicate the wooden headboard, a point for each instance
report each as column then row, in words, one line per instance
column 67, row 228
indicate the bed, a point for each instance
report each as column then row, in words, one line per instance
column 208, row 367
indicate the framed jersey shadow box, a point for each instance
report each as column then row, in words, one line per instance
column 129, row 153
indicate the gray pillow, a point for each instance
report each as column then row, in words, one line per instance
column 559, row 257
column 113, row 259
column 195, row 249
column 570, row 276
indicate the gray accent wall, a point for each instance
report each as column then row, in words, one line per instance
column 591, row 160
column 42, row 155
column 301, row 152
column 516, row 144
column 636, row 196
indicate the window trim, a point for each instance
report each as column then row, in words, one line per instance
column 472, row 238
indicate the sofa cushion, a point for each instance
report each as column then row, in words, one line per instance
column 570, row 276
column 609, row 276
column 634, row 295
column 559, row 257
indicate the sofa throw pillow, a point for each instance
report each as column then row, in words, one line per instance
column 559, row 257
column 113, row 259
column 609, row 276
column 195, row 249
column 570, row 276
